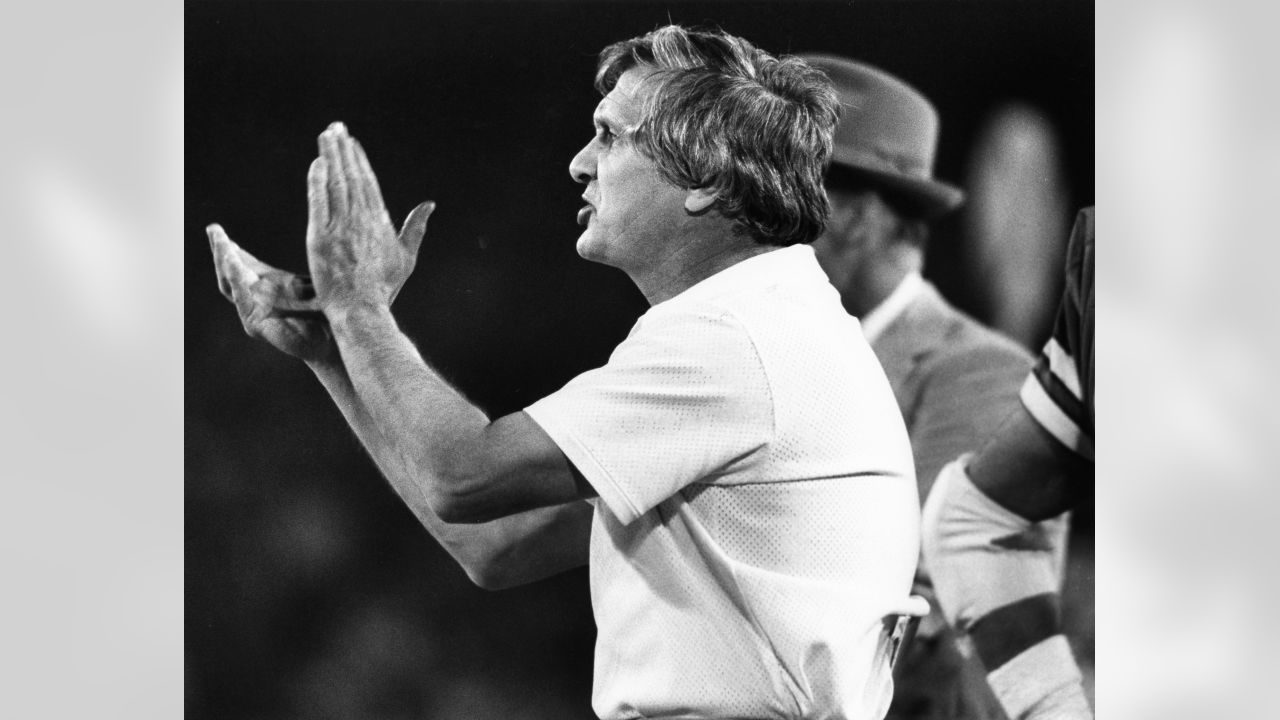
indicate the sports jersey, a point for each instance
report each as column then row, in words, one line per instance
column 1059, row 391
column 757, row 514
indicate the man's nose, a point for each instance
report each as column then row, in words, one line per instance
column 583, row 165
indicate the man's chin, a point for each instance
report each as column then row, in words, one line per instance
column 595, row 249
column 588, row 249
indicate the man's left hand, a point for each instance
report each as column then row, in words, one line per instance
column 274, row 305
column 355, row 255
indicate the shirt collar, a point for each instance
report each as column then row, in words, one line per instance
column 787, row 264
column 883, row 315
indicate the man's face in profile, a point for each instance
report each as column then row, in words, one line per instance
column 856, row 233
column 631, row 209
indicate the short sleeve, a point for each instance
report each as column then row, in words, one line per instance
column 1059, row 391
column 681, row 400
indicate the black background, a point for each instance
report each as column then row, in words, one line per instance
column 310, row 591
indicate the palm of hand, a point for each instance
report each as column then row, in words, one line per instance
column 353, row 251
column 305, row 336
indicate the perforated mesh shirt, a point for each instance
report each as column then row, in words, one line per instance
column 757, row 515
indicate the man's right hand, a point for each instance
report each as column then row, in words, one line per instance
column 274, row 305
column 356, row 257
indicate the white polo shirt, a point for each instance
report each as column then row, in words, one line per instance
column 757, row 515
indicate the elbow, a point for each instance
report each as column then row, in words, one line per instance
column 449, row 507
column 456, row 507
column 488, row 565
column 482, row 553
column 457, row 496
column 489, row 576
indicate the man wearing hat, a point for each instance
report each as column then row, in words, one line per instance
column 955, row 380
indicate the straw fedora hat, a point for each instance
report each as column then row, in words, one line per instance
column 888, row 133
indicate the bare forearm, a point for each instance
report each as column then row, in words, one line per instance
column 425, row 423
column 501, row 553
column 468, row 545
column 472, row 470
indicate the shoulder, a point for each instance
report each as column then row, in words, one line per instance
column 966, row 358
column 961, row 336
column 972, row 338
column 791, row 310
column 709, row 332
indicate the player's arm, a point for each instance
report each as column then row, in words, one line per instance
column 994, row 556
column 991, row 550
column 1027, row 471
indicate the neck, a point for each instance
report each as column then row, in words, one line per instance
column 694, row 261
column 865, row 294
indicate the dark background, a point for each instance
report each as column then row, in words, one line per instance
column 310, row 590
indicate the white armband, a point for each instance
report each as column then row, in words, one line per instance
column 1042, row 683
column 981, row 556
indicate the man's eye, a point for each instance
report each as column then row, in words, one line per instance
column 605, row 135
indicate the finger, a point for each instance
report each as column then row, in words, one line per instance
column 236, row 279
column 247, row 303
column 217, row 249
column 415, row 226
column 247, row 260
column 336, row 187
column 292, row 292
column 318, row 193
column 301, row 287
column 279, row 294
column 371, row 193
column 351, row 168
column 251, row 263
column 239, row 272
column 231, row 271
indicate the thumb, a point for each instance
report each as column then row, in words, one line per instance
column 415, row 226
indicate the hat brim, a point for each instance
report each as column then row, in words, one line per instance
column 927, row 199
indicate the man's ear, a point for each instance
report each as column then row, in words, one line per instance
column 698, row 200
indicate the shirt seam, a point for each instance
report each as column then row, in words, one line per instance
column 764, row 370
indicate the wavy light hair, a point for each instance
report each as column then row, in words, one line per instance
column 724, row 115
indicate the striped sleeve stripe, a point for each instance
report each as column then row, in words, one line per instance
column 1059, row 394
column 1052, row 417
column 1009, row 630
column 1063, row 367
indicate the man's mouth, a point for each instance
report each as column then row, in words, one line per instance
column 584, row 215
